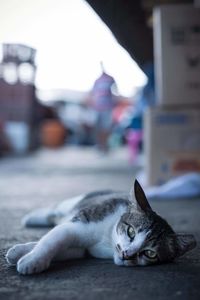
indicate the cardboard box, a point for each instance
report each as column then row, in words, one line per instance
column 197, row 3
column 171, row 143
column 177, row 55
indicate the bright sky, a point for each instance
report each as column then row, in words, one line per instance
column 71, row 40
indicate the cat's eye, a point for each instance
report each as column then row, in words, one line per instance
column 150, row 254
column 131, row 232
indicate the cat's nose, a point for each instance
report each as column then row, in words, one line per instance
column 127, row 256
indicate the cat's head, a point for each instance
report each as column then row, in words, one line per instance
column 143, row 238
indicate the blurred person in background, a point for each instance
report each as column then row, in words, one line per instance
column 134, row 124
column 103, row 102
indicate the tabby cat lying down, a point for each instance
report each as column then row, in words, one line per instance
column 106, row 224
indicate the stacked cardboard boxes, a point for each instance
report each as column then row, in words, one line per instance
column 172, row 128
column 172, row 143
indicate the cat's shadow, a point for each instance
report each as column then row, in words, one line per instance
column 76, row 265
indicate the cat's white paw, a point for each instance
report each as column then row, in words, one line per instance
column 31, row 263
column 15, row 253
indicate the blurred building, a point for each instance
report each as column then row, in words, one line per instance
column 18, row 104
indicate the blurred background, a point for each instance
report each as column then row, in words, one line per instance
column 115, row 82
column 93, row 94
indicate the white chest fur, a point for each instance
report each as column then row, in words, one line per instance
column 102, row 234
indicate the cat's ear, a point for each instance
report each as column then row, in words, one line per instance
column 186, row 242
column 140, row 197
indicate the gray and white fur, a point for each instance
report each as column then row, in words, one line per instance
column 107, row 224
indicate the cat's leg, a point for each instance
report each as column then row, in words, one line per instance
column 44, row 217
column 17, row 251
column 64, row 236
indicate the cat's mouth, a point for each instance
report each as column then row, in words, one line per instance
column 132, row 257
column 124, row 256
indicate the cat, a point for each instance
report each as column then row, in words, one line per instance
column 106, row 224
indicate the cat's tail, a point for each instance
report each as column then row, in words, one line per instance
column 44, row 217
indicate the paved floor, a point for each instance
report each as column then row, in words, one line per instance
column 47, row 177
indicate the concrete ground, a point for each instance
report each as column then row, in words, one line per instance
column 46, row 177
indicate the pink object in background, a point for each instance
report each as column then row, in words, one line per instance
column 133, row 137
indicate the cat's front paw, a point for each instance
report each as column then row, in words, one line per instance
column 15, row 253
column 31, row 263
